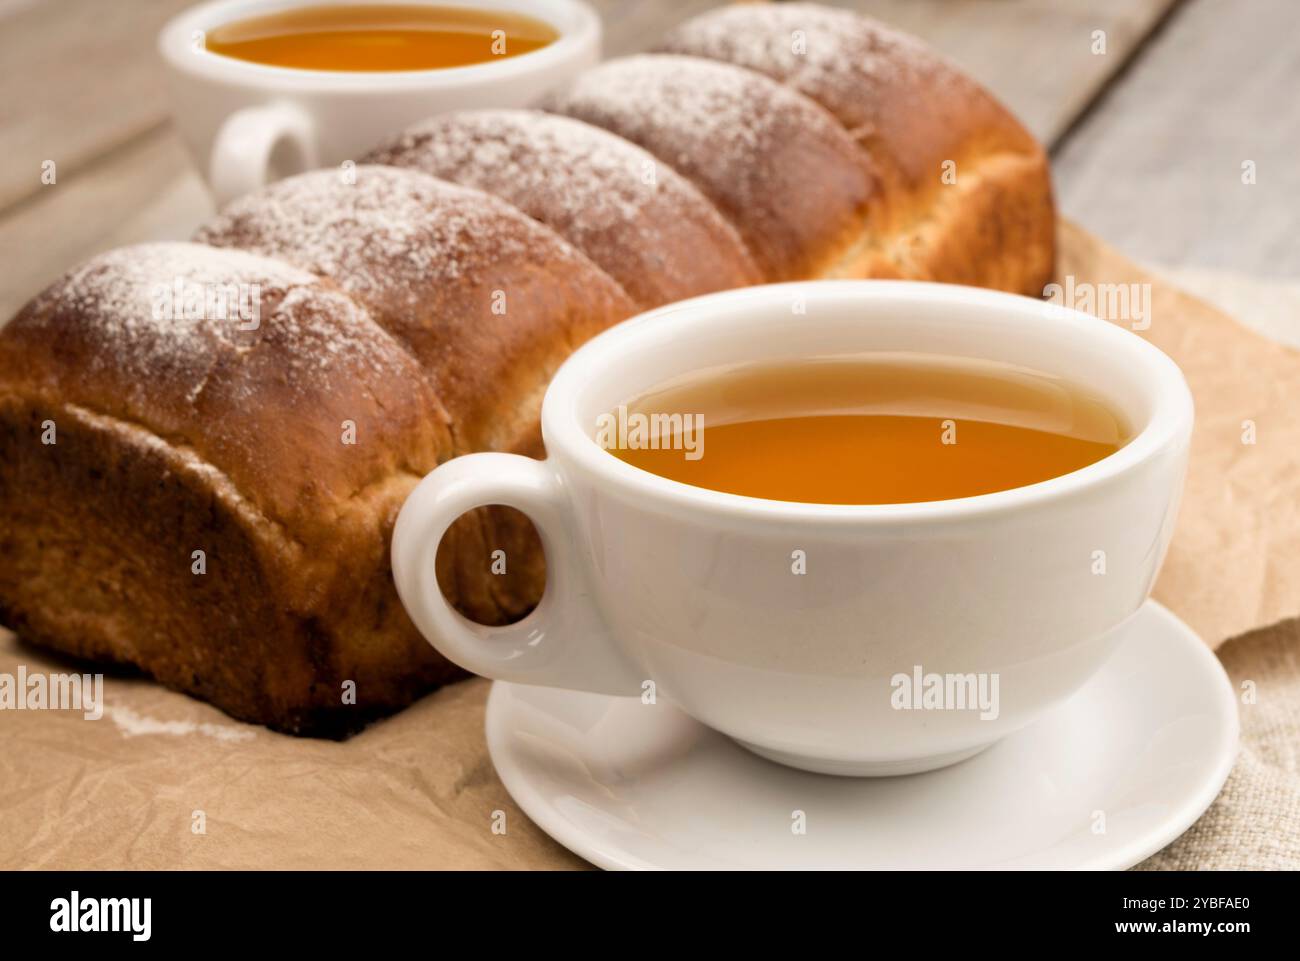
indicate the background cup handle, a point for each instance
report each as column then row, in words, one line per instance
column 256, row 145
column 564, row 642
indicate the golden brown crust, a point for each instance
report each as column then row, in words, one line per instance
column 778, row 166
column 134, row 438
column 127, row 335
column 643, row 223
column 487, row 300
column 989, row 222
column 110, row 577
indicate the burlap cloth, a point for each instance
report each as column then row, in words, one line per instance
column 1255, row 823
column 163, row 781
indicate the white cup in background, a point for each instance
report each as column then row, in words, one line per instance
column 247, row 124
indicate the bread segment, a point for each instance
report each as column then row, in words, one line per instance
column 966, row 190
column 779, row 167
column 178, row 491
column 638, row 219
column 488, row 301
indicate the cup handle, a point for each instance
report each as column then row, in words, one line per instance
column 245, row 149
column 565, row 641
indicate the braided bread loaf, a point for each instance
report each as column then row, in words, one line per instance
column 203, row 446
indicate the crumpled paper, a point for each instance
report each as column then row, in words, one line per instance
column 162, row 781
column 1234, row 563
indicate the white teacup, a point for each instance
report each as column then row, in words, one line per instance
column 651, row 580
column 248, row 123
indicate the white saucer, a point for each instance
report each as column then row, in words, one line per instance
column 1147, row 743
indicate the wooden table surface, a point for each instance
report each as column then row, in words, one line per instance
column 1151, row 109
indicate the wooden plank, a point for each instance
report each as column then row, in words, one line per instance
column 1157, row 168
column 1034, row 56
column 144, row 191
column 633, row 25
column 79, row 80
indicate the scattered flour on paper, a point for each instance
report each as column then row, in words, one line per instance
column 131, row 724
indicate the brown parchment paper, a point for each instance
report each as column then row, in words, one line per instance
column 1234, row 563
column 132, row 789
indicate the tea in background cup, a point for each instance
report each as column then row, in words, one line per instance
column 285, row 86
column 380, row 37
column 788, row 625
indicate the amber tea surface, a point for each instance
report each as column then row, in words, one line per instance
column 381, row 37
column 875, row 429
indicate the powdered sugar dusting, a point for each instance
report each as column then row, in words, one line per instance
column 744, row 139
column 382, row 233
column 131, row 724
column 611, row 199
column 132, row 291
column 793, row 36
column 157, row 319
column 835, row 56
column 694, row 114
column 582, row 176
